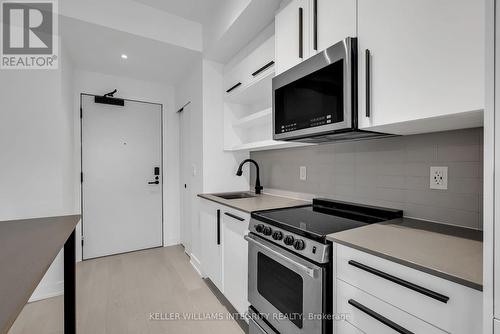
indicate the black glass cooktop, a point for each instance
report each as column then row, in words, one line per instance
column 324, row 217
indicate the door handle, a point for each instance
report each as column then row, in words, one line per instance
column 154, row 182
column 263, row 68
column 399, row 281
column 234, row 216
column 315, row 25
column 233, row 88
column 218, row 226
column 379, row 317
column 308, row 271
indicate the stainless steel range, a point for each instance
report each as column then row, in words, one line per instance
column 290, row 264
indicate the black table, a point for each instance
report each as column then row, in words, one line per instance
column 27, row 249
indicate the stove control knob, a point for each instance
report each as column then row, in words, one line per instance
column 267, row 231
column 288, row 240
column 277, row 235
column 299, row 244
column 259, row 228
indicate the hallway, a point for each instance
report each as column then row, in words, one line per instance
column 116, row 294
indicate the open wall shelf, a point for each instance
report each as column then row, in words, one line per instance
column 259, row 118
column 264, row 145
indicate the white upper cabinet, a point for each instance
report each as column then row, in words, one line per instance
column 292, row 30
column 335, row 20
column 426, row 62
column 250, row 69
column 305, row 27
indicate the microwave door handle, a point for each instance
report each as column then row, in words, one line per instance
column 315, row 25
column 368, row 79
column 309, row 271
column 301, row 32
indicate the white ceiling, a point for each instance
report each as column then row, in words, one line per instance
column 200, row 11
column 96, row 48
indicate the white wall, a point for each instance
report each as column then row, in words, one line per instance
column 99, row 84
column 219, row 167
column 36, row 150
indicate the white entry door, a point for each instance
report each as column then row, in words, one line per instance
column 121, row 193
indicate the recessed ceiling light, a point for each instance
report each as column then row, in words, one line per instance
column 124, row 56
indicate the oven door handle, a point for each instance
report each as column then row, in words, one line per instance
column 308, row 271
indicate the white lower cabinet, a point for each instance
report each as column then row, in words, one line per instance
column 368, row 287
column 211, row 243
column 374, row 316
column 224, row 258
column 235, row 258
column 343, row 327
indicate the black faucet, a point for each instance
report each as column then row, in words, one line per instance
column 258, row 187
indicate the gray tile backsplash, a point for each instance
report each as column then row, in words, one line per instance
column 392, row 172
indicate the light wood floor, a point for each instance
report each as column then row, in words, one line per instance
column 116, row 294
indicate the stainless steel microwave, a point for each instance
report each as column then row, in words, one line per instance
column 316, row 101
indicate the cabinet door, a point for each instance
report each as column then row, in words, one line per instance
column 427, row 59
column 332, row 21
column 211, row 241
column 496, row 176
column 250, row 68
column 292, row 29
column 236, row 259
column 343, row 327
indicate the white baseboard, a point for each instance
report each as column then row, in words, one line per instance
column 171, row 242
column 47, row 291
column 195, row 263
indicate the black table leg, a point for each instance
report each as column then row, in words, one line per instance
column 70, row 285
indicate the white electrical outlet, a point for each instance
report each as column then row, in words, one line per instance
column 303, row 173
column 439, row 178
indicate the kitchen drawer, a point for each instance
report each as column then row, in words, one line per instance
column 452, row 307
column 343, row 327
column 374, row 316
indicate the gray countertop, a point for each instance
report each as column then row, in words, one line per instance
column 445, row 251
column 257, row 203
column 27, row 249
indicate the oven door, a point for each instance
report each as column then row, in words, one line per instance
column 284, row 288
column 318, row 96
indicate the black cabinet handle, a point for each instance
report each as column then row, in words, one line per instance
column 234, row 87
column 301, row 32
column 368, row 79
column 379, row 317
column 154, row 182
column 399, row 281
column 234, row 216
column 315, row 18
column 263, row 68
column 218, row 227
